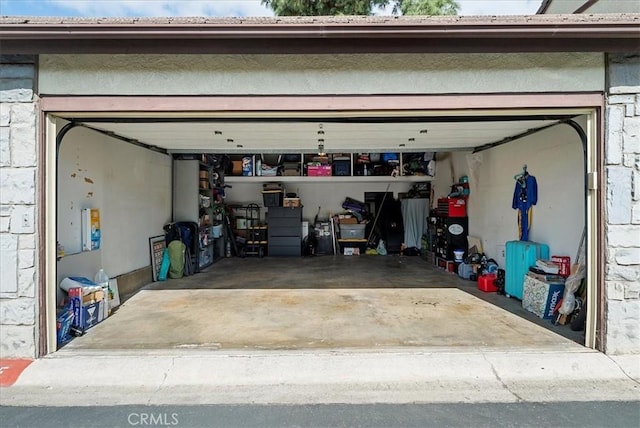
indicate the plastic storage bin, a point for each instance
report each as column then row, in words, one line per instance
column 272, row 198
column 342, row 167
column 352, row 231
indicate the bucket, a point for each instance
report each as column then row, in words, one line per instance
column 216, row 230
column 458, row 255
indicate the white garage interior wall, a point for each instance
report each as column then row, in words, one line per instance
column 324, row 193
column 130, row 185
column 555, row 157
column 132, row 188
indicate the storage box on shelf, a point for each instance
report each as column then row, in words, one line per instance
column 352, row 231
column 319, row 171
column 452, row 207
column 272, row 198
column 291, row 202
column 341, row 166
column 352, row 246
column 293, row 167
column 448, row 265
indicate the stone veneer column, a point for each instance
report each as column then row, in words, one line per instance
column 622, row 159
column 18, row 165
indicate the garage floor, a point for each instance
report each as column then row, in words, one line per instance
column 322, row 302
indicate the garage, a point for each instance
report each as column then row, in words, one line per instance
column 113, row 112
column 253, row 302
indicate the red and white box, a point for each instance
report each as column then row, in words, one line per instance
column 452, row 207
column 565, row 264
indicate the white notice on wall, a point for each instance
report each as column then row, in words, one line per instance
column 90, row 229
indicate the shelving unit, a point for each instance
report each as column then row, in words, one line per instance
column 193, row 201
column 375, row 171
column 253, row 232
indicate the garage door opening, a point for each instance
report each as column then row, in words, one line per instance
column 134, row 187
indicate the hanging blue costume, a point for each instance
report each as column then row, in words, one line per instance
column 525, row 196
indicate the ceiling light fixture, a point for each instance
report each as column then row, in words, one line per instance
column 411, row 140
column 424, row 131
column 217, row 132
column 229, row 140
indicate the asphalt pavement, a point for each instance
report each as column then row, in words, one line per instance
column 495, row 415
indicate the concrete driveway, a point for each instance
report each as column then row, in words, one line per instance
column 365, row 302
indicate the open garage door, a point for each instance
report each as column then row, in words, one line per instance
column 132, row 156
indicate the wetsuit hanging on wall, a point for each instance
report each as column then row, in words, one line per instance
column 525, row 196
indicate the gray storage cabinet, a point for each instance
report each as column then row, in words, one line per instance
column 285, row 231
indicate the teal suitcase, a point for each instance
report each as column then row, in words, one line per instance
column 520, row 256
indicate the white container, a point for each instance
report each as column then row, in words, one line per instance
column 458, row 255
column 216, row 230
column 102, row 280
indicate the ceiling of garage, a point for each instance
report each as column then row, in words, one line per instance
column 344, row 134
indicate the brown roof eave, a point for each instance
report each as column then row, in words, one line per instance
column 325, row 35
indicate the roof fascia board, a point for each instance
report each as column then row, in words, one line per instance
column 524, row 34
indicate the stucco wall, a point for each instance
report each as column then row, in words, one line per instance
column 319, row 74
column 622, row 157
column 554, row 156
column 18, row 169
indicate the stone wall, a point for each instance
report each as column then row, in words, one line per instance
column 622, row 158
column 18, row 166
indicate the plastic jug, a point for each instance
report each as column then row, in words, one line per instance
column 102, row 280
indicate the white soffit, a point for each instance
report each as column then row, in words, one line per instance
column 255, row 136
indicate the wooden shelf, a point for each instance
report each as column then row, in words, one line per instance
column 331, row 179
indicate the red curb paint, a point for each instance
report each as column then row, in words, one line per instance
column 10, row 371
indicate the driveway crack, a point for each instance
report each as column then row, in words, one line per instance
column 164, row 378
column 504, row 385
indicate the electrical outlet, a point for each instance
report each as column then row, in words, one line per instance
column 500, row 251
column 26, row 221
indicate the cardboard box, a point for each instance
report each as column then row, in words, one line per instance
column 541, row 297
column 93, row 297
column 348, row 220
column 86, row 316
column 565, row 264
column 351, row 251
column 291, row 202
column 319, row 171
